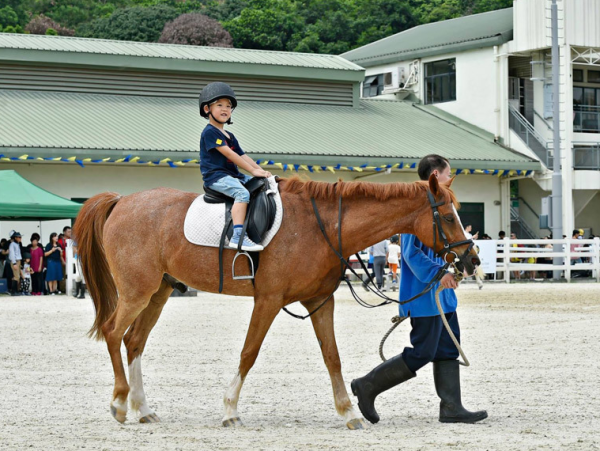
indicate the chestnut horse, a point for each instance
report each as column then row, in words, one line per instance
column 129, row 297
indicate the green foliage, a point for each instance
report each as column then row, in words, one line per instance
column 8, row 17
column 131, row 24
column 11, row 29
column 320, row 26
column 51, row 32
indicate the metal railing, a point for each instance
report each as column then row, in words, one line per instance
column 586, row 157
column 519, row 226
column 586, row 119
column 530, row 136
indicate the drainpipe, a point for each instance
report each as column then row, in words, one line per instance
column 499, row 89
column 557, row 217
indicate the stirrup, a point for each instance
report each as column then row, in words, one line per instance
column 246, row 277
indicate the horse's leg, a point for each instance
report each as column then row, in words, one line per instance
column 135, row 341
column 265, row 311
column 322, row 321
column 130, row 304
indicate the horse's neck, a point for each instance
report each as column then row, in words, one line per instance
column 366, row 221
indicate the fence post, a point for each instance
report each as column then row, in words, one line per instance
column 596, row 257
column 506, row 259
column 567, row 259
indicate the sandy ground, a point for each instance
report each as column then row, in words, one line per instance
column 534, row 366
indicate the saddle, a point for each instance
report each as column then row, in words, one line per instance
column 260, row 217
column 261, row 210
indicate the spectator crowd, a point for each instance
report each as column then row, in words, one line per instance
column 35, row 269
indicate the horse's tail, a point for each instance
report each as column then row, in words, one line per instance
column 88, row 233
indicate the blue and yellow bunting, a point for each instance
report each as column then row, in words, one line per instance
column 297, row 167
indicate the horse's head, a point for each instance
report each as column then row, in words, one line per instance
column 439, row 227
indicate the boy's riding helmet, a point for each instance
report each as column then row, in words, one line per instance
column 394, row 239
column 213, row 92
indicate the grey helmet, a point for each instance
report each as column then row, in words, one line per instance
column 215, row 91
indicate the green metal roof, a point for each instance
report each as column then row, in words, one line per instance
column 47, row 124
column 100, row 52
column 464, row 33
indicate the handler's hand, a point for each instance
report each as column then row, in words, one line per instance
column 257, row 172
column 448, row 281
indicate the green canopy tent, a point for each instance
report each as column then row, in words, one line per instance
column 24, row 201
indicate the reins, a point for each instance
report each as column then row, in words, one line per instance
column 344, row 265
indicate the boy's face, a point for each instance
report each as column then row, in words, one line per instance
column 220, row 110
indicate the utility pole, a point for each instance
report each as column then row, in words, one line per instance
column 557, row 217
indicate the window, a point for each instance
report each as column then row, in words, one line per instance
column 440, row 81
column 593, row 76
column 578, row 75
column 586, row 109
column 373, row 86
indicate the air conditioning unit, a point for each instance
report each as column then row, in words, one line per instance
column 392, row 80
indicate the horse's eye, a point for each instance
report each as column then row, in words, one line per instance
column 449, row 218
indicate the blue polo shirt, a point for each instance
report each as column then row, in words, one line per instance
column 213, row 164
column 418, row 265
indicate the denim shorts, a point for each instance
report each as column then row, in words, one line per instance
column 233, row 187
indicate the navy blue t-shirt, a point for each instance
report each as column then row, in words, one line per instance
column 213, row 164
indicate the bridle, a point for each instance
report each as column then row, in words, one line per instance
column 439, row 230
column 344, row 265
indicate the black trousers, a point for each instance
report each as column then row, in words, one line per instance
column 431, row 341
column 37, row 282
column 379, row 267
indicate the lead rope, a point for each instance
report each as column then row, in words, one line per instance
column 397, row 320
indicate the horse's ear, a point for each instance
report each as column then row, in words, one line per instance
column 434, row 185
column 449, row 184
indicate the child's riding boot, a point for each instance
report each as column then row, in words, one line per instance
column 385, row 376
column 76, row 290
column 81, row 291
column 446, row 375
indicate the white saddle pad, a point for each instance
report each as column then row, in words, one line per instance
column 204, row 222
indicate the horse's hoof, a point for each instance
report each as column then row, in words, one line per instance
column 356, row 424
column 232, row 422
column 152, row 418
column 119, row 415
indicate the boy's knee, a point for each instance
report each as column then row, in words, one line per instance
column 241, row 195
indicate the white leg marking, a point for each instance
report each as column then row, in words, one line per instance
column 137, row 397
column 231, row 397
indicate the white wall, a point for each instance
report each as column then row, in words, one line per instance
column 476, row 86
column 582, row 22
column 70, row 180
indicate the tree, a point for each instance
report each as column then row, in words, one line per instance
column 196, row 29
column 131, row 24
column 41, row 24
column 265, row 24
column 8, row 17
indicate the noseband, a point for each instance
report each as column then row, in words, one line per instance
column 438, row 230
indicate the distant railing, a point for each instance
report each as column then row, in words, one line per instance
column 586, row 157
column 584, row 257
column 586, row 119
column 530, row 136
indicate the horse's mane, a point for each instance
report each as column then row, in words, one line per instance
column 354, row 190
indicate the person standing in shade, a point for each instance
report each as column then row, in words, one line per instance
column 54, row 273
column 429, row 338
column 37, row 266
column 14, row 258
column 379, row 252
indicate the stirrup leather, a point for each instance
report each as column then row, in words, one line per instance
column 243, row 277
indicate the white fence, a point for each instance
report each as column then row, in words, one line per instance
column 575, row 255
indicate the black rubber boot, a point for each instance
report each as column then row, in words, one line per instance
column 15, row 289
column 446, row 375
column 76, row 290
column 385, row 376
column 81, row 291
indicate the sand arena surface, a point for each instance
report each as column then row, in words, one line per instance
column 533, row 349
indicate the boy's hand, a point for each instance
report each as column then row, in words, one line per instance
column 258, row 172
